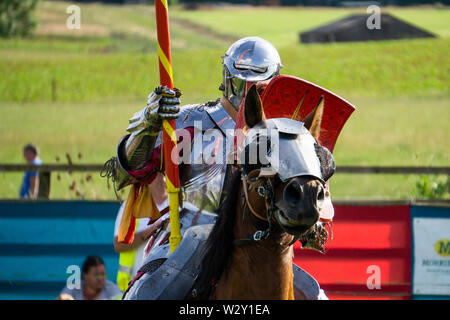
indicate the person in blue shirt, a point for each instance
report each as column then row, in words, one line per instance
column 30, row 183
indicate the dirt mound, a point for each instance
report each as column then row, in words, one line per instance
column 354, row 28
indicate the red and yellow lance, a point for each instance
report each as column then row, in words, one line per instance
column 169, row 126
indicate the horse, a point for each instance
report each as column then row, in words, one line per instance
column 249, row 252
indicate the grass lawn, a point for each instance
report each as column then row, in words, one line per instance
column 281, row 26
column 389, row 131
column 104, row 73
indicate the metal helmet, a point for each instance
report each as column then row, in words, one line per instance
column 249, row 59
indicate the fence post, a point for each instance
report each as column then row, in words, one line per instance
column 53, row 89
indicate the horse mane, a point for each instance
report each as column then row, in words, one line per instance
column 219, row 244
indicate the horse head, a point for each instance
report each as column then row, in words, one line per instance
column 282, row 162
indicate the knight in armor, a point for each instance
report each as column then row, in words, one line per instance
column 139, row 164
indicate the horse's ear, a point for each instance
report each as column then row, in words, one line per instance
column 313, row 120
column 253, row 109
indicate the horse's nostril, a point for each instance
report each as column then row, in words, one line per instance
column 293, row 193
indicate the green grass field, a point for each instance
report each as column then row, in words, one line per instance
column 104, row 72
column 281, row 26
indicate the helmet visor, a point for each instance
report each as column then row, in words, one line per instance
column 252, row 59
column 237, row 86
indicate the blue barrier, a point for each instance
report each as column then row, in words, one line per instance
column 39, row 240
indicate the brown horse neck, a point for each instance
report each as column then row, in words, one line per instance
column 260, row 270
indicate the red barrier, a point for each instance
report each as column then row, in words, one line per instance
column 364, row 236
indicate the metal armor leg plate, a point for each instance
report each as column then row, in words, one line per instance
column 305, row 286
column 176, row 276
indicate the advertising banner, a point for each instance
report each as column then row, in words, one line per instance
column 431, row 254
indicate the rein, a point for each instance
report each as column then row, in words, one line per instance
column 247, row 202
column 265, row 192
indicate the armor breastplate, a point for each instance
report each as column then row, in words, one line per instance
column 203, row 176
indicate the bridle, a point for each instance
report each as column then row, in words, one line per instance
column 251, row 176
column 266, row 191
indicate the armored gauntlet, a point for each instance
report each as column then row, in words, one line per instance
column 135, row 149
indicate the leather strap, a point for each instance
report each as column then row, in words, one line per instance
column 260, row 234
column 253, row 211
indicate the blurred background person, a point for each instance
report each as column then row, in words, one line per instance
column 94, row 284
column 30, row 183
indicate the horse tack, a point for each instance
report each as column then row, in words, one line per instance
column 267, row 194
column 293, row 98
column 269, row 256
column 314, row 239
column 263, row 193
